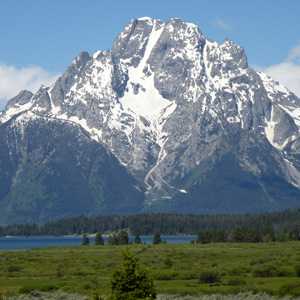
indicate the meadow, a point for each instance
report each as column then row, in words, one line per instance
column 178, row 269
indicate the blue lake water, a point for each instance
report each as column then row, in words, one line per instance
column 19, row 243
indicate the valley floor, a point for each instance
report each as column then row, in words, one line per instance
column 178, row 269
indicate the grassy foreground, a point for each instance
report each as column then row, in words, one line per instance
column 268, row 267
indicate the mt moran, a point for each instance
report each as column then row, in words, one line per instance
column 166, row 121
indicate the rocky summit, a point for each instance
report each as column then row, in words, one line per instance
column 166, row 121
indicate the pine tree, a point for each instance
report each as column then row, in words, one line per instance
column 137, row 239
column 250, row 237
column 123, row 238
column 113, row 240
column 99, row 239
column 132, row 282
column 157, row 239
column 85, row 240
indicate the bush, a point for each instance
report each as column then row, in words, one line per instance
column 297, row 270
column 166, row 275
column 288, row 289
column 236, row 281
column 14, row 268
column 27, row 289
column 237, row 271
column 209, row 276
column 261, row 260
column 267, row 271
column 168, row 262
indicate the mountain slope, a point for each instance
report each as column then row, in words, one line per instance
column 196, row 129
column 51, row 169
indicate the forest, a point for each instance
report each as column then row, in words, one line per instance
column 166, row 224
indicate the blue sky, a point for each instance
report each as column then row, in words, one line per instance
column 39, row 38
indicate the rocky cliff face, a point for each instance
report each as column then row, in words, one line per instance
column 191, row 125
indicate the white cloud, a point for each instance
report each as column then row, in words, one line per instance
column 13, row 80
column 219, row 23
column 294, row 54
column 287, row 72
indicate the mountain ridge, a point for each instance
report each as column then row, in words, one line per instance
column 165, row 101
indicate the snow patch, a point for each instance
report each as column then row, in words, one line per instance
column 145, row 19
column 293, row 112
column 294, row 173
column 269, row 129
column 12, row 111
column 147, row 102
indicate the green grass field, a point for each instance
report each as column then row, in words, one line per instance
column 265, row 267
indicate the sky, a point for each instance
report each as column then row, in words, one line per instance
column 40, row 38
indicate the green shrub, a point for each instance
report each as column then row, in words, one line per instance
column 237, row 271
column 168, row 262
column 236, row 281
column 27, row 289
column 170, row 275
column 267, row 271
column 288, row 289
column 209, row 276
column 14, row 268
column 48, row 288
column 261, row 260
column 297, row 270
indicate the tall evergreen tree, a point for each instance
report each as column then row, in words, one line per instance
column 238, row 234
column 222, row 235
column 113, row 240
column 99, row 239
column 250, row 236
column 123, row 238
column 157, row 239
column 132, row 282
column 85, row 240
column 137, row 238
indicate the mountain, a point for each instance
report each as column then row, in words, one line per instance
column 167, row 120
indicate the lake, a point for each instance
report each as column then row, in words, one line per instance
column 19, row 243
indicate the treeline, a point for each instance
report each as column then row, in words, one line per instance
column 241, row 234
column 149, row 224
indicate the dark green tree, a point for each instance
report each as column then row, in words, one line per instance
column 132, row 282
column 113, row 240
column 238, row 234
column 123, row 238
column 268, row 234
column 249, row 236
column 137, row 239
column 294, row 234
column 200, row 238
column 157, row 239
column 99, row 239
column 85, row 240
column 222, row 235
column 204, row 236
